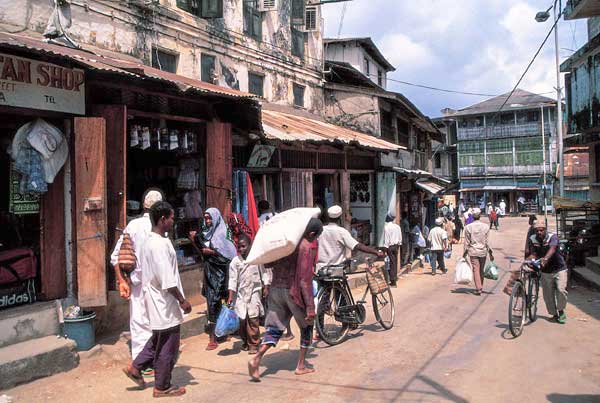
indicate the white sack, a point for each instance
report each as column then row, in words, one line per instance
column 279, row 236
column 49, row 141
column 464, row 272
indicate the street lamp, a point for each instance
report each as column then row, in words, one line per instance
column 541, row 17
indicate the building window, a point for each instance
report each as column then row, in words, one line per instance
column 437, row 161
column 252, row 19
column 380, row 78
column 164, row 61
column 367, row 68
column 310, row 20
column 298, row 95
column 403, row 132
column 298, row 43
column 256, row 84
column 387, row 131
column 202, row 8
column 208, row 68
column 298, row 12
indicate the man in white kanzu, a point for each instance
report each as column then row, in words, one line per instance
column 166, row 305
column 336, row 242
column 138, row 229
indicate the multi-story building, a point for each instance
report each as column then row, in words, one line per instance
column 270, row 48
column 500, row 149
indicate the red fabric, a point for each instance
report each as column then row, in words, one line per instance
column 21, row 260
column 237, row 225
column 302, row 289
column 252, row 211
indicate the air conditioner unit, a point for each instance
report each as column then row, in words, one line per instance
column 311, row 19
column 267, row 5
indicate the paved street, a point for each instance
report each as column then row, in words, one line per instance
column 447, row 345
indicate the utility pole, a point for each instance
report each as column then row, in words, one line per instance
column 559, row 118
column 544, row 167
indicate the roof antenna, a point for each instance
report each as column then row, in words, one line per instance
column 59, row 20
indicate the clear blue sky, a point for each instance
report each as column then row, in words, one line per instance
column 467, row 45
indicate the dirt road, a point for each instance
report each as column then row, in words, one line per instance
column 447, row 345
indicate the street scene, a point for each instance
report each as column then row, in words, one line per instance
column 341, row 200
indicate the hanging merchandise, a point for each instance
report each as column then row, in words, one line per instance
column 134, row 140
column 49, row 141
column 156, row 138
column 188, row 175
column 173, row 140
column 145, row 138
column 192, row 142
column 193, row 204
column 164, row 139
column 183, row 142
column 252, row 210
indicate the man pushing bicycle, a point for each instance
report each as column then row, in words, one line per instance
column 544, row 245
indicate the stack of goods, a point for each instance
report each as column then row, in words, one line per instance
column 162, row 139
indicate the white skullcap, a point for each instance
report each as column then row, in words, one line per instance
column 152, row 197
column 476, row 212
column 439, row 221
column 334, row 211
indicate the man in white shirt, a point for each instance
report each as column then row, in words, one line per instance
column 392, row 240
column 336, row 242
column 438, row 239
column 138, row 229
column 264, row 212
column 503, row 207
column 165, row 303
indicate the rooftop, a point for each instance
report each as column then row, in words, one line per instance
column 370, row 47
column 520, row 99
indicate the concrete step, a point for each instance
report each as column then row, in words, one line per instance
column 593, row 263
column 588, row 277
column 27, row 322
column 37, row 358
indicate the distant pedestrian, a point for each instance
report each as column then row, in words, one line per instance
column 469, row 216
column 130, row 288
column 493, row 216
column 291, row 295
column 477, row 248
column 521, row 204
column 392, row 241
column 502, row 207
column 418, row 241
column 450, row 228
column 166, row 305
column 530, row 232
column 438, row 244
column 248, row 284
column 406, row 241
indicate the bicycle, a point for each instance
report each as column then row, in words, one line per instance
column 337, row 311
column 524, row 297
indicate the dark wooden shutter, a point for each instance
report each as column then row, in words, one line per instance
column 90, row 210
column 218, row 162
column 298, row 7
column 212, row 8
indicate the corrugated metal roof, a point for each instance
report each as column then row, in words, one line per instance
column 98, row 61
column 429, row 186
column 369, row 45
column 520, row 99
column 287, row 127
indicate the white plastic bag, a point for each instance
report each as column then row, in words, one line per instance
column 464, row 273
column 49, row 141
column 279, row 236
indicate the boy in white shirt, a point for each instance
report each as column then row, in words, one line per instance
column 248, row 284
column 165, row 303
column 392, row 240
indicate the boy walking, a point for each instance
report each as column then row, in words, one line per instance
column 438, row 241
column 247, row 285
column 165, row 302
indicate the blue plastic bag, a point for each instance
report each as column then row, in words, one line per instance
column 448, row 254
column 227, row 323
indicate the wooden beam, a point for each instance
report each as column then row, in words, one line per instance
column 166, row 116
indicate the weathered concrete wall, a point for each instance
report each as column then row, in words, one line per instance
column 134, row 31
column 354, row 110
column 593, row 25
column 584, row 94
column 352, row 53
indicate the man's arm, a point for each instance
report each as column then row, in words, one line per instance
column 183, row 303
column 366, row 249
column 122, row 282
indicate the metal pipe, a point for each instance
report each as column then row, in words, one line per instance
column 559, row 120
column 544, row 167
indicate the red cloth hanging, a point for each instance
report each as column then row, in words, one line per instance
column 252, row 211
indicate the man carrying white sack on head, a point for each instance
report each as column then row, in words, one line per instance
column 131, row 289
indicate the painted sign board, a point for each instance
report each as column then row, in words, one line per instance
column 261, row 156
column 34, row 84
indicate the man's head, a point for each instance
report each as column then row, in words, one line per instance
column 439, row 221
column 390, row 217
column 313, row 229
column 540, row 229
column 334, row 213
column 532, row 219
column 244, row 244
column 162, row 216
column 151, row 196
column 476, row 213
column 263, row 206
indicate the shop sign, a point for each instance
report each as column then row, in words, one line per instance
column 21, row 203
column 261, row 156
column 33, row 84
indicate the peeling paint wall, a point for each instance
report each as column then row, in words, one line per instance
column 135, row 31
column 583, row 90
column 355, row 111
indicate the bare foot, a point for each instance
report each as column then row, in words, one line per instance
column 253, row 370
column 304, row 371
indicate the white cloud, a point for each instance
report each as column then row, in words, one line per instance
column 404, row 53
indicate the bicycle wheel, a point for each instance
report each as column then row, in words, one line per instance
column 516, row 309
column 383, row 307
column 532, row 297
column 329, row 299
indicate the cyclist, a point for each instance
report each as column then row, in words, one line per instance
column 544, row 245
column 336, row 241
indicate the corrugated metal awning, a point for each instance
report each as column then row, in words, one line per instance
column 287, row 127
column 429, row 186
column 499, row 187
column 95, row 59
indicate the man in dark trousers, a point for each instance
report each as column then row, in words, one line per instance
column 166, row 305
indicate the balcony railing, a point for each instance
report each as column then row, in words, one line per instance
column 505, row 170
column 503, row 131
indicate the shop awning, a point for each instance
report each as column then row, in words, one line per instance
column 499, row 187
column 97, row 59
column 289, row 127
column 429, row 186
column 412, row 172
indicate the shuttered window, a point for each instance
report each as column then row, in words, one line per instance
column 252, row 20
column 256, row 84
column 164, row 61
column 298, row 95
column 207, row 68
column 310, row 19
column 202, row 8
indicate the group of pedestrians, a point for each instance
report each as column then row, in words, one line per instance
column 277, row 293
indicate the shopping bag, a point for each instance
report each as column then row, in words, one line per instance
column 448, row 254
column 464, row 273
column 227, row 322
column 491, row 271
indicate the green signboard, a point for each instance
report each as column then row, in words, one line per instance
column 21, row 203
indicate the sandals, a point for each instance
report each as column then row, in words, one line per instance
column 138, row 379
column 211, row 346
column 173, row 391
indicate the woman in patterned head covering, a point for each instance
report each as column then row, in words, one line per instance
column 217, row 249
